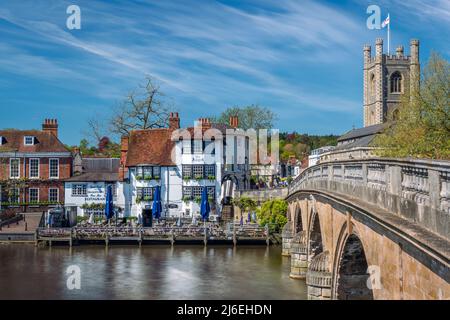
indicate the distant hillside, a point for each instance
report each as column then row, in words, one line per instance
column 300, row 145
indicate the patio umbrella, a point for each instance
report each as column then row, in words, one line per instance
column 204, row 205
column 157, row 208
column 109, row 206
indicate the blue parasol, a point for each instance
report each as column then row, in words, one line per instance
column 204, row 205
column 157, row 207
column 109, row 206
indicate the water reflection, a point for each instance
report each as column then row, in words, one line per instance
column 149, row 272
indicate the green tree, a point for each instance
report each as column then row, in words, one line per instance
column 246, row 204
column 253, row 116
column 273, row 212
column 421, row 126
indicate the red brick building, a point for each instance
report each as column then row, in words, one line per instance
column 33, row 167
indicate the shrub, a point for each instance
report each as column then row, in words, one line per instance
column 273, row 212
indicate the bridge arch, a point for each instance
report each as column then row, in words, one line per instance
column 298, row 221
column 315, row 235
column 350, row 271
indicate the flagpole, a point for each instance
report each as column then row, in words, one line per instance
column 389, row 35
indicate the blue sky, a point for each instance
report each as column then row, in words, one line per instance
column 302, row 59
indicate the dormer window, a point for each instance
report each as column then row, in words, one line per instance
column 1, row 140
column 28, row 140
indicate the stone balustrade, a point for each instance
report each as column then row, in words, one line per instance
column 418, row 190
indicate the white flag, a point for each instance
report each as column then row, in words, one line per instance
column 385, row 22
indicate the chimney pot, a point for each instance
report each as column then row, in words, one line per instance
column 51, row 126
column 174, row 120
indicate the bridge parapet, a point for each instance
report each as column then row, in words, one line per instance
column 418, row 190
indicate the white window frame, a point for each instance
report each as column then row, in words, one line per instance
column 197, row 147
column 25, row 140
column 29, row 195
column 187, row 146
column 10, row 168
column 38, row 168
column 18, row 197
column 83, row 186
column 1, row 140
column 50, row 168
column 57, row 194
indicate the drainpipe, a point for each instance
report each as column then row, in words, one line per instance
column 167, row 189
column 24, row 176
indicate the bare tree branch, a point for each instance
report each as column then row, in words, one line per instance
column 145, row 108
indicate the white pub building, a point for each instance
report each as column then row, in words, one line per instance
column 182, row 162
column 86, row 189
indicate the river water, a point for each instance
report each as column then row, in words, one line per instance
column 150, row 272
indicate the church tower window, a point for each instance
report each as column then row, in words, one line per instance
column 396, row 82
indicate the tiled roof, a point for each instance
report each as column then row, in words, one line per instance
column 13, row 140
column 95, row 177
column 101, row 165
column 362, row 142
column 98, row 169
column 362, row 132
column 152, row 147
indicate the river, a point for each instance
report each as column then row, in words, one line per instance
column 150, row 272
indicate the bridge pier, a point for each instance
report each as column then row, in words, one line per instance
column 299, row 255
column 287, row 236
column 319, row 277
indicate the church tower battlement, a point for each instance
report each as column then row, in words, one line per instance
column 386, row 78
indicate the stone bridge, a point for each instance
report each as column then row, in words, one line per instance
column 371, row 229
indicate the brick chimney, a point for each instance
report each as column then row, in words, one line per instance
column 204, row 123
column 234, row 122
column 123, row 170
column 50, row 125
column 174, row 120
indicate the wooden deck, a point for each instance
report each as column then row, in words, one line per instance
column 109, row 235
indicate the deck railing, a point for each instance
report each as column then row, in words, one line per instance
column 102, row 232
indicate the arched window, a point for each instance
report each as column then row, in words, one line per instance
column 372, row 87
column 396, row 82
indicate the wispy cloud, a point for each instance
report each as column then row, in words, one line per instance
column 289, row 55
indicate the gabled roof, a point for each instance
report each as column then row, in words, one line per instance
column 362, row 142
column 150, row 147
column 13, row 141
column 362, row 132
column 98, row 169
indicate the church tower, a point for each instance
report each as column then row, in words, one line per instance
column 386, row 78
